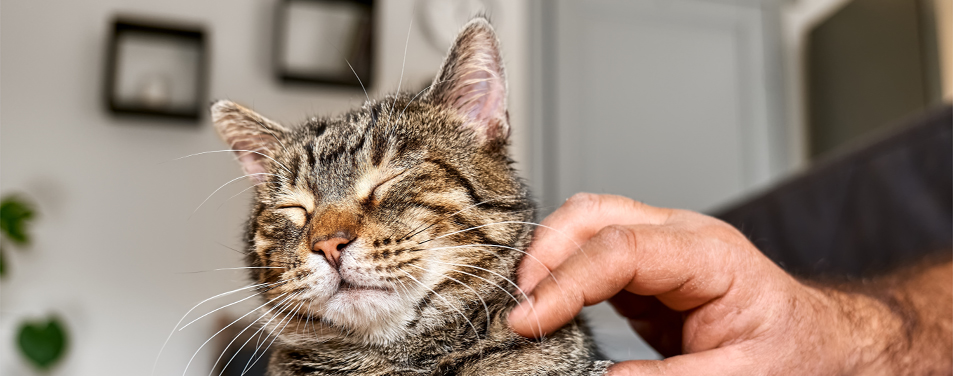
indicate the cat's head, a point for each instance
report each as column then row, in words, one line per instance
column 365, row 221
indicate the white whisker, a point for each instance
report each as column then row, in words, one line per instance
column 464, row 317
column 415, row 232
column 238, row 268
column 358, row 80
column 525, row 297
column 277, row 306
column 223, row 245
column 272, row 134
column 219, row 308
column 411, row 101
column 239, row 193
column 196, row 306
column 223, row 329
column 579, row 247
column 289, row 316
column 485, row 307
column 236, row 150
column 229, row 182
column 504, row 247
column 403, row 65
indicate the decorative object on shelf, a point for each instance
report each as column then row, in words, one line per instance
column 441, row 20
column 156, row 69
column 325, row 41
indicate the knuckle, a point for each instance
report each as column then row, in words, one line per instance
column 618, row 235
column 584, row 201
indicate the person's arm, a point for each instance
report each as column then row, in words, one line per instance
column 901, row 323
column 694, row 285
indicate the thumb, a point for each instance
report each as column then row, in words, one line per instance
column 722, row 361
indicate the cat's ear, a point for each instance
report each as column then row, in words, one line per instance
column 253, row 138
column 472, row 81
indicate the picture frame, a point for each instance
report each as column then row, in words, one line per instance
column 329, row 42
column 157, row 69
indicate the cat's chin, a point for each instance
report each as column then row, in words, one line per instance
column 369, row 315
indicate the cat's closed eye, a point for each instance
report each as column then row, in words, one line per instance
column 377, row 193
column 296, row 214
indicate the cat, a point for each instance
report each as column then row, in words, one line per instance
column 385, row 241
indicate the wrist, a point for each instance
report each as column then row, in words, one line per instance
column 862, row 330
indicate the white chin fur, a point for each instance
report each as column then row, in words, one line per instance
column 371, row 316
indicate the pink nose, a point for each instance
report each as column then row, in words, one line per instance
column 331, row 249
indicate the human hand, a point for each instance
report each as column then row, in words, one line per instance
column 689, row 284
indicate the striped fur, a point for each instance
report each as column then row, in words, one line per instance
column 423, row 187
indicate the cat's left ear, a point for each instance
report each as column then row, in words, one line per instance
column 472, row 81
column 253, row 138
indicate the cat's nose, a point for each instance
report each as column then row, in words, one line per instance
column 331, row 247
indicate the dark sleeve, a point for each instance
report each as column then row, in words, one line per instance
column 886, row 203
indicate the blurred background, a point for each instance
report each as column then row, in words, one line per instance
column 708, row 105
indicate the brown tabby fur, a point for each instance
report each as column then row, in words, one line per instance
column 424, row 191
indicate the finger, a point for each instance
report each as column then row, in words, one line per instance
column 667, row 261
column 581, row 217
column 722, row 361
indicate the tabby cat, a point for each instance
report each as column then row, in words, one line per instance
column 386, row 240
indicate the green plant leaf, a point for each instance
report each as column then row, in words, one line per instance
column 15, row 213
column 3, row 262
column 43, row 343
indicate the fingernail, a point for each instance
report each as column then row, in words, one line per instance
column 520, row 312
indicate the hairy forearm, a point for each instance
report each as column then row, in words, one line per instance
column 899, row 324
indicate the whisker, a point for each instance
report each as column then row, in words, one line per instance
column 314, row 331
column 289, row 316
column 499, row 246
column 525, row 297
column 239, row 268
column 223, row 329
column 223, row 245
column 564, row 235
column 225, row 349
column 411, row 101
column 272, row 134
column 219, row 308
column 403, row 65
column 485, row 307
column 402, row 285
column 193, row 308
column 444, row 300
column 358, row 80
column 307, row 319
column 239, row 193
column 277, row 306
column 453, row 214
column 338, row 49
column 477, row 246
column 515, row 299
column 223, row 186
column 237, row 150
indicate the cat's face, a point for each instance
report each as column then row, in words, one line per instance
column 361, row 220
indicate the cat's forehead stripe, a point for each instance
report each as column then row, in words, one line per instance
column 309, row 151
column 367, row 181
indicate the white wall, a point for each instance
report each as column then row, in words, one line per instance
column 114, row 232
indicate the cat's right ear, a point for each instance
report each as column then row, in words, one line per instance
column 253, row 138
column 472, row 81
